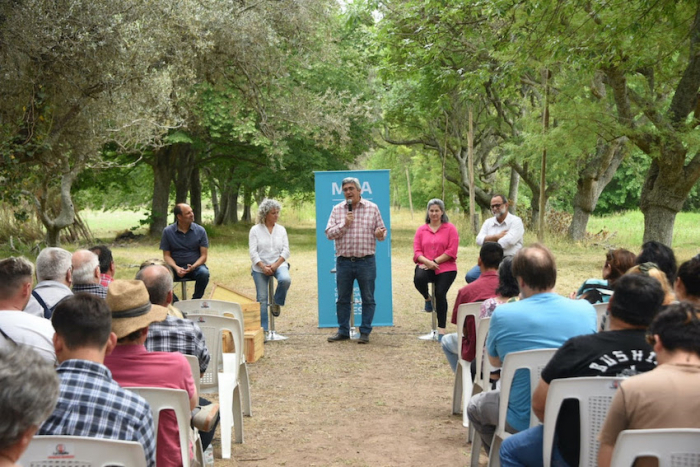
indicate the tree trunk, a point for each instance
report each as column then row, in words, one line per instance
column 658, row 224
column 513, row 191
column 196, row 194
column 184, row 164
column 247, row 201
column 162, row 169
column 660, row 201
column 230, row 216
column 595, row 176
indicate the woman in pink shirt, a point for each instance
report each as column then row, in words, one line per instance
column 435, row 254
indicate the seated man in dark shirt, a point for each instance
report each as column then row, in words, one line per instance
column 621, row 351
column 185, row 244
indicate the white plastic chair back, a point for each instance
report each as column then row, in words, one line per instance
column 231, row 310
column 674, row 447
column 594, row 395
column 81, row 451
column 176, row 400
column 194, row 366
column 532, row 360
column 224, row 372
column 462, row 390
column 601, row 310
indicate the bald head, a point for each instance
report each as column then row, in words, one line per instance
column 536, row 267
column 86, row 267
column 159, row 283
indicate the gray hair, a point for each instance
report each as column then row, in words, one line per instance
column 84, row 265
column 265, row 207
column 353, row 180
column 436, row 202
column 158, row 281
column 14, row 272
column 52, row 264
column 28, row 392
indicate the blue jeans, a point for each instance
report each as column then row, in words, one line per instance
column 525, row 449
column 473, row 274
column 201, row 279
column 450, row 349
column 261, row 289
column 364, row 270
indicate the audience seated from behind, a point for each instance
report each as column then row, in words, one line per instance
column 482, row 288
column 688, row 282
column 177, row 335
column 54, row 275
column 172, row 310
column 669, row 395
column 86, row 274
column 540, row 320
column 617, row 262
column 28, row 393
column 621, row 351
column 91, row 403
column 132, row 365
column 652, row 270
column 661, row 255
column 16, row 326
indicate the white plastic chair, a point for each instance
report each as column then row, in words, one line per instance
column 82, row 451
column 600, row 310
column 674, row 447
column 176, row 400
column 594, row 395
column 196, row 374
column 226, row 381
column 462, row 391
column 532, row 360
column 481, row 383
column 232, row 310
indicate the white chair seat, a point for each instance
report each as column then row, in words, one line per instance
column 462, row 390
column 81, row 451
column 674, row 447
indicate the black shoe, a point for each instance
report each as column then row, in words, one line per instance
column 338, row 337
column 363, row 339
column 275, row 310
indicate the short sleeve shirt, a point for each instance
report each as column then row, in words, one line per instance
column 184, row 246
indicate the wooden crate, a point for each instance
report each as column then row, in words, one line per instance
column 251, row 308
column 254, row 345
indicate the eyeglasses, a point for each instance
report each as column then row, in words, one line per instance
column 496, row 206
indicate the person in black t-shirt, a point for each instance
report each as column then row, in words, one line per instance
column 621, row 351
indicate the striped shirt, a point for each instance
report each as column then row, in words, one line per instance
column 358, row 239
column 92, row 404
column 178, row 335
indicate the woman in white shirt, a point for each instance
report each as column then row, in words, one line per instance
column 269, row 250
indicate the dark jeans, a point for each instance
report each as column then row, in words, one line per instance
column 443, row 282
column 201, row 279
column 364, row 270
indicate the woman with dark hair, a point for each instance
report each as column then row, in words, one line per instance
column 617, row 262
column 507, row 290
column 435, row 254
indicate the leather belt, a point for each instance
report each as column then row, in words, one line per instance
column 355, row 258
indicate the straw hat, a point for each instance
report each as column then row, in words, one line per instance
column 131, row 307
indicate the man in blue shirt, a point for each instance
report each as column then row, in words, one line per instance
column 540, row 320
column 185, row 246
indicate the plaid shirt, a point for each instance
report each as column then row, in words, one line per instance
column 92, row 404
column 98, row 290
column 105, row 280
column 358, row 239
column 178, row 335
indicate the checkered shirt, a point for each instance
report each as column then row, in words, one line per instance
column 98, row 290
column 105, row 280
column 92, row 404
column 358, row 239
column 178, row 335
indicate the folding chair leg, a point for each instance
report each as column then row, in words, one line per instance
column 244, row 384
column 457, row 392
column 476, row 449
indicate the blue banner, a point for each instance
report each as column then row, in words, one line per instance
column 375, row 188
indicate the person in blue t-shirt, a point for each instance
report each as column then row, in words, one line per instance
column 540, row 320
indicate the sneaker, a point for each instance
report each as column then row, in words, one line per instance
column 338, row 337
column 275, row 310
column 363, row 339
column 429, row 306
column 206, row 418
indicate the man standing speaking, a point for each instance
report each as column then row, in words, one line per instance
column 354, row 224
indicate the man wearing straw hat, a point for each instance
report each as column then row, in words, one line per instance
column 132, row 365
